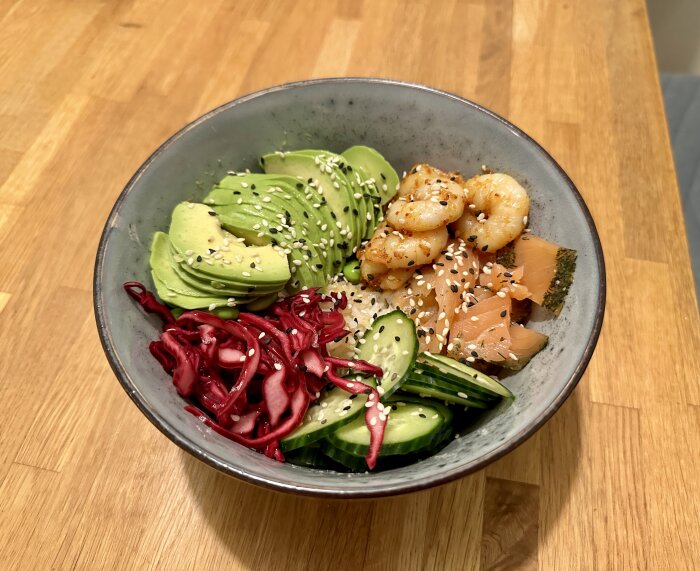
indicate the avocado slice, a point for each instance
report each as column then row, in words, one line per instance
column 195, row 232
column 339, row 168
column 371, row 198
column 376, row 167
column 318, row 172
column 169, row 286
column 274, row 213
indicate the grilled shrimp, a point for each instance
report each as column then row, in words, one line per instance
column 379, row 276
column 497, row 212
column 401, row 250
column 428, row 198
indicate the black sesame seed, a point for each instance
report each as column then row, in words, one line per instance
column 300, row 185
column 382, row 175
column 252, row 186
column 211, row 213
column 508, row 274
column 503, row 313
column 474, row 354
column 411, row 262
column 236, row 192
column 472, row 238
column 422, row 415
column 443, row 202
column 309, row 181
column 367, row 391
column 413, row 311
column 252, row 265
column 397, row 338
column 199, row 258
column 352, row 397
column 486, row 247
column 273, row 230
column 306, row 214
column 381, row 329
column 333, row 216
column 319, row 266
column 355, row 211
column 212, row 250
column 453, row 271
column 454, row 288
column 346, row 209
column 324, row 420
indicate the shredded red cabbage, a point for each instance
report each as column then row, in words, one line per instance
column 254, row 378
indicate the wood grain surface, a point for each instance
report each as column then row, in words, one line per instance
column 88, row 88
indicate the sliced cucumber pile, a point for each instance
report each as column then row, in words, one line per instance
column 416, row 391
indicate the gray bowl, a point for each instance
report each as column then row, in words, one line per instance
column 407, row 123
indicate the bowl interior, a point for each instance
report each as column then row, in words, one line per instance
column 407, row 124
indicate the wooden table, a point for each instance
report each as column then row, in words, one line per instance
column 89, row 88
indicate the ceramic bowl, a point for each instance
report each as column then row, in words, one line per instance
column 407, row 123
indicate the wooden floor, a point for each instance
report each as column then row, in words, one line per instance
column 89, row 88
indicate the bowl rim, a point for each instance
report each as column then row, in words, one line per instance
column 309, row 489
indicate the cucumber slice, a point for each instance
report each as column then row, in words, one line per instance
column 411, row 426
column 333, row 410
column 427, row 390
column 350, row 461
column 308, row 457
column 466, row 374
column 424, row 374
column 392, row 344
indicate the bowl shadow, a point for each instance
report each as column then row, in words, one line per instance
column 488, row 520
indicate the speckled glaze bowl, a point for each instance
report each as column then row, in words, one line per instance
column 407, row 123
